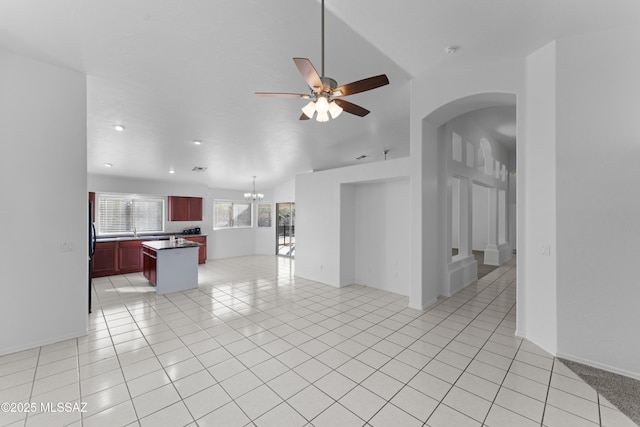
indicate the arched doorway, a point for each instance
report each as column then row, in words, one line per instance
column 447, row 172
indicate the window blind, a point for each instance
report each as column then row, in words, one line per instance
column 228, row 214
column 122, row 214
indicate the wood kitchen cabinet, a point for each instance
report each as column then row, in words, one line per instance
column 149, row 257
column 105, row 259
column 129, row 256
column 185, row 208
column 117, row 258
column 202, row 252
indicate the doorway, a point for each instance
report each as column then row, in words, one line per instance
column 286, row 229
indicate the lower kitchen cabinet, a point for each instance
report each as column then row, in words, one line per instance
column 105, row 259
column 129, row 256
column 202, row 252
column 149, row 257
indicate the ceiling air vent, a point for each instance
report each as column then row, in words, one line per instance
column 199, row 169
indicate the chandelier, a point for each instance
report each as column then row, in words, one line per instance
column 253, row 196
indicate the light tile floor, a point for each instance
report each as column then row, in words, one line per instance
column 255, row 345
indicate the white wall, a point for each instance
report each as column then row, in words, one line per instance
column 382, row 235
column 577, row 218
column 43, row 188
column 348, row 233
column 319, row 217
column 598, row 147
column 539, row 163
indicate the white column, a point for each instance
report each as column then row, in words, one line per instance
column 466, row 236
column 491, row 254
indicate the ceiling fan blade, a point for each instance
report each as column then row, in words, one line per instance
column 352, row 108
column 309, row 73
column 361, row 85
column 281, row 95
column 303, row 116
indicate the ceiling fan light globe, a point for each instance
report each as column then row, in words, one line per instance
column 334, row 109
column 309, row 109
column 322, row 105
column 322, row 117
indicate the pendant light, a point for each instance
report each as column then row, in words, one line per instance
column 253, row 196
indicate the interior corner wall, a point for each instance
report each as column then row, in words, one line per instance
column 382, row 235
column 234, row 242
column 597, row 174
column 349, row 220
column 43, row 186
column 538, row 318
column 319, row 216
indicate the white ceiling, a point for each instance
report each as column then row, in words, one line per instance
column 174, row 71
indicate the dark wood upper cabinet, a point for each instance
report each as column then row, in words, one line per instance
column 185, row 208
column 195, row 208
column 92, row 200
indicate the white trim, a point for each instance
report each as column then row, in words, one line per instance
column 422, row 307
column 635, row 375
column 39, row 343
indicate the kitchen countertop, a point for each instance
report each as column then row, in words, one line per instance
column 159, row 245
column 147, row 238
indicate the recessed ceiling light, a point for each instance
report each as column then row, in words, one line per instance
column 450, row 50
column 172, row 171
column 108, row 165
column 364, row 156
column 197, row 142
column 119, row 127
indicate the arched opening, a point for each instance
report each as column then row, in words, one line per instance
column 461, row 148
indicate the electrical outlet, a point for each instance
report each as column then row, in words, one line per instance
column 66, row 247
column 546, row 250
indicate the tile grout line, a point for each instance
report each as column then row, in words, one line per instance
column 452, row 339
column 474, row 358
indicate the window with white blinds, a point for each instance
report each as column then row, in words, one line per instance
column 125, row 213
column 227, row 214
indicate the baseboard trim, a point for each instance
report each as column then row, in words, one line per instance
column 40, row 343
column 424, row 306
column 603, row 366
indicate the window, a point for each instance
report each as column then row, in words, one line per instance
column 264, row 215
column 456, row 151
column 228, row 214
column 126, row 213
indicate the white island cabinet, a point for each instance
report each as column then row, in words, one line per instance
column 171, row 267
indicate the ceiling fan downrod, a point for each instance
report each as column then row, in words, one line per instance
column 322, row 37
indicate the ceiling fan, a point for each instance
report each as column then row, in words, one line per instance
column 325, row 94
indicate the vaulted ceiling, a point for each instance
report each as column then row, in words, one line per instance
column 177, row 71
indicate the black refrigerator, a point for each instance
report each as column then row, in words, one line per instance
column 92, row 247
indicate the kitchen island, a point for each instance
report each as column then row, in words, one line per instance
column 171, row 266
